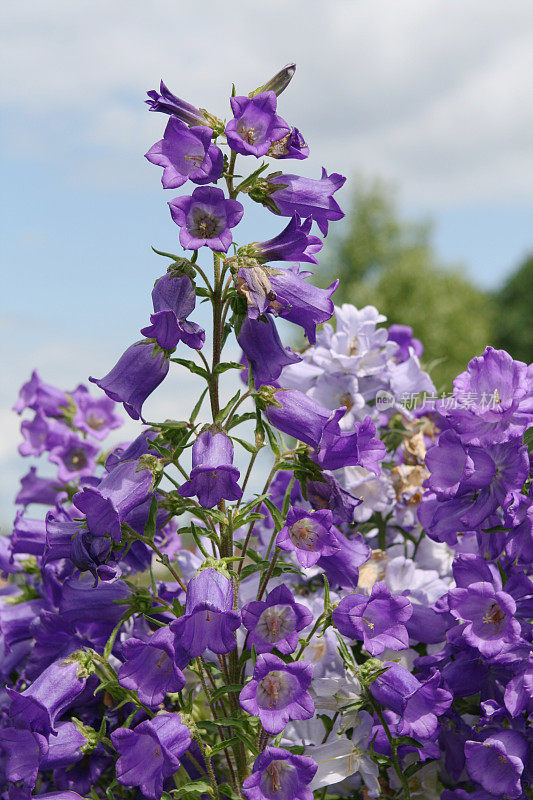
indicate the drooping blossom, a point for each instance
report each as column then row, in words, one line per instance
column 137, row 373
column 150, row 752
column 264, row 350
column 306, row 197
column 213, row 476
column 209, row 621
column 152, row 667
column 174, row 300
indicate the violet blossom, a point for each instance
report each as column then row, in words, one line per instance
column 276, row 621
column 151, row 667
column 213, row 476
column 278, row 773
column 255, row 124
column 186, row 154
column 378, row 620
column 174, row 299
column 293, row 194
column 205, row 218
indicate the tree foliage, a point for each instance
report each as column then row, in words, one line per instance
column 513, row 329
column 389, row 262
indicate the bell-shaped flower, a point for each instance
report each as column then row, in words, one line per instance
column 206, row 218
column 498, row 762
column 209, row 621
column 213, row 476
column 294, row 194
column 152, row 667
column 106, row 505
column 378, row 620
column 277, row 773
column 255, row 124
column 278, row 692
column 264, row 350
column 137, row 373
column 186, row 154
column 276, row 621
column 308, row 534
column 150, row 752
column 174, row 300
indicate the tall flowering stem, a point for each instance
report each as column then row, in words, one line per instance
column 361, row 627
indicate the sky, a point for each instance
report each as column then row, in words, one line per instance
column 432, row 95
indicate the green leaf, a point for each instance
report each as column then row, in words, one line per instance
column 225, row 365
column 198, row 405
column 149, row 528
column 237, row 419
column 528, row 438
column 251, row 448
column 231, row 688
column 191, row 366
column 224, row 412
column 273, row 442
column 407, row 740
column 111, row 641
column 279, row 520
column 194, row 788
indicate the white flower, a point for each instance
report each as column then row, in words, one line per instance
column 339, row 759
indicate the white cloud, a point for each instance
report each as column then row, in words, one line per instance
column 435, row 95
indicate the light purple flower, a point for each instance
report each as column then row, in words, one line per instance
column 308, row 534
column 74, row 457
column 378, row 620
column 166, row 102
column 278, row 692
column 150, row 752
column 307, row 197
column 95, row 416
column 291, row 146
column 403, row 336
column 488, row 616
column 37, row 395
column 276, row 621
column 45, row 491
column 294, row 243
column 277, row 774
column 497, row 763
column 255, row 124
column 186, row 154
column 205, row 218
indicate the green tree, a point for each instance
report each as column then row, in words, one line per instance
column 391, row 263
column 513, row 329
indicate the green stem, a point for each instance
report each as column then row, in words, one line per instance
column 393, row 747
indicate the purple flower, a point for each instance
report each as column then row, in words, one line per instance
column 294, row 243
column 403, row 336
column 278, row 692
column 497, row 763
column 301, row 302
column 95, row 416
column 308, row 535
column 417, row 704
column 39, row 435
column 174, row 300
column 210, row 620
column 300, row 416
column 276, row 621
column 378, row 620
column 291, row 146
column 47, row 698
column 29, row 535
column 213, row 476
column 186, row 153
column 22, row 752
column 488, row 615
column 307, row 197
column 41, row 396
column 205, row 218
column 358, row 448
column 138, row 372
column 167, row 103
column 255, row 124
column 150, row 752
column 74, row 457
column 45, row 491
column 493, row 399
column 330, row 494
column 277, row 774
column 106, row 506
column 342, row 566
column 150, row 667
column 89, row 552
column 64, row 749
column 264, row 350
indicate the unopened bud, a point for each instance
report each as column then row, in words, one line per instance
column 279, row 82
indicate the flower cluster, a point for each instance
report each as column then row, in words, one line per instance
column 361, row 627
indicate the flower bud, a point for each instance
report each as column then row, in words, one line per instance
column 279, row 82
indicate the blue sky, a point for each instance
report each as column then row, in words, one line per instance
column 435, row 97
